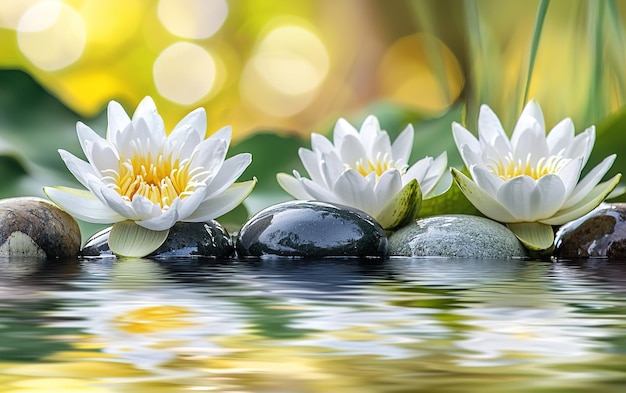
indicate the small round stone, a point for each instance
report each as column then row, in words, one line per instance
column 186, row 239
column 311, row 229
column 35, row 227
column 456, row 236
column 601, row 233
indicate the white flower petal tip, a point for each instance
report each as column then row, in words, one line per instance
column 402, row 208
column 143, row 174
column 129, row 240
column 533, row 177
column 533, row 235
column 362, row 168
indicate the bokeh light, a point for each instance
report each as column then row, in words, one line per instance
column 193, row 18
column 184, row 73
column 289, row 63
column 51, row 35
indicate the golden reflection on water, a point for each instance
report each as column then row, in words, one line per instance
column 403, row 325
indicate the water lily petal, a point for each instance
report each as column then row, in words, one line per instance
column 582, row 145
column 351, row 150
column 196, row 120
column 489, row 126
column 331, row 167
column 520, row 197
column 223, row 203
column 402, row 146
column 112, row 199
column 341, row 130
column 311, row 164
column 531, row 117
column 355, row 190
column 486, row 180
column 436, row 171
column 148, row 119
column 585, row 205
column 551, row 195
column 210, row 154
column 83, row 205
column 181, row 143
column 561, row 136
column 127, row 239
column 81, row 170
column 318, row 191
column 160, row 220
column 534, row 236
column 402, row 208
column 387, row 186
column 463, row 137
column 321, row 143
column 569, row 174
column 224, row 134
column 230, row 171
column 418, row 170
column 292, row 186
column 531, row 142
column 589, row 181
column 484, row 202
column 370, row 134
column 87, row 137
column 117, row 120
column 144, row 208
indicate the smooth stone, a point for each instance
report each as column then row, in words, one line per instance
column 35, row 227
column 601, row 233
column 186, row 239
column 311, row 229
column 456, row 236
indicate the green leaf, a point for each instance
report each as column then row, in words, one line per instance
column 452, row 201
column 534, row 236
column 128, row 239
column 541, row 16
column 402, row 208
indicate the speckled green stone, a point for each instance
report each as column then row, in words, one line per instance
column 186, row 239
column 456, row 236
column 35, row 227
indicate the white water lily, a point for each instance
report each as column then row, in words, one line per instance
column 531, row 181
column 153, row 179
column 364, row 170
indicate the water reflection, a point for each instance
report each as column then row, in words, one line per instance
column 307, row 326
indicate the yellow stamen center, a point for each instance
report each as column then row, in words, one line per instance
column 378, row 166
column 509, row 167
column 161, row 180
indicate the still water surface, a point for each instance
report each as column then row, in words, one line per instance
column 402, row 325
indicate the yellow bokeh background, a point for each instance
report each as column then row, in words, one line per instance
column 299, row 65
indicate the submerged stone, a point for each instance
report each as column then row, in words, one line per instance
column 311, row 229
column 186, row 239
column 456, row 236
column 35, row 227
column 601, row 233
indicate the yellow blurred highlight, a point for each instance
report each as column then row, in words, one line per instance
column 51, row 35
column 184, row 73
column 11, row 11
column 408, row 73
column 196, row 19
column 288, row 65
column 154, row 319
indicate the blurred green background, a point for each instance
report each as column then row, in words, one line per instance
column 278, row 70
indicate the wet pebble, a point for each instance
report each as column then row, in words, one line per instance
column 186, row 239
column 456, row 236
column 311, row 229
column 601, row 233
column 35, row 227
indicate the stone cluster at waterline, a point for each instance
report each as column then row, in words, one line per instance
column 162, row 192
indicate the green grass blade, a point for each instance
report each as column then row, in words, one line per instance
column 541, row 16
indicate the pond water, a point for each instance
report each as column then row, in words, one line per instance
column 401, row 325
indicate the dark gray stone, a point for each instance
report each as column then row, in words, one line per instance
column 186, row 239
column 311, row 229
column 601, row 233
column 456, row 236
column 35, row 227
